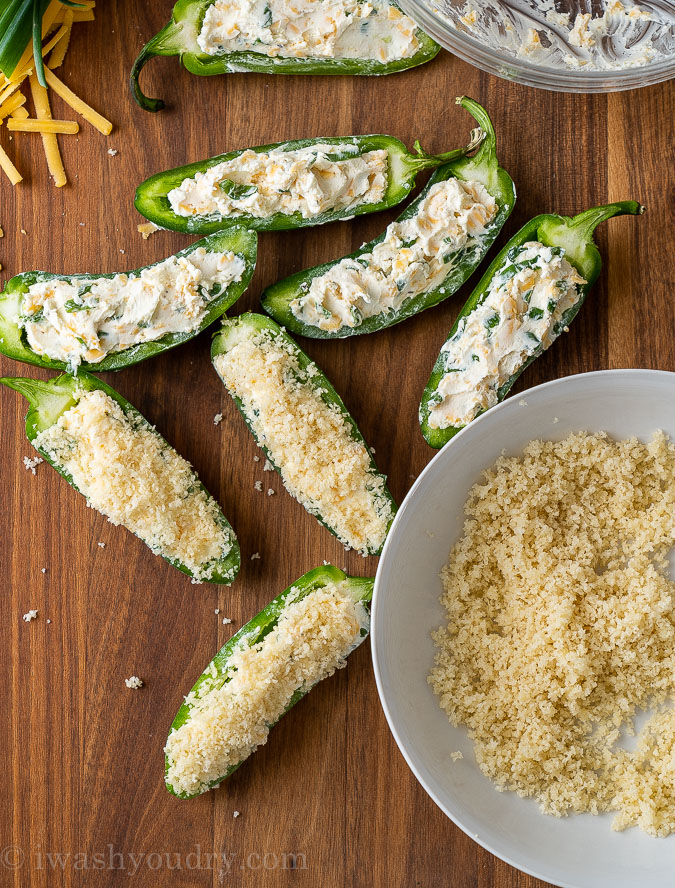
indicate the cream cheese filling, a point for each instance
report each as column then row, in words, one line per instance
column 611, row 35
column 521, row 314
column 87, row 320
column 415, row 255
column 309, row 181
column 322, row 29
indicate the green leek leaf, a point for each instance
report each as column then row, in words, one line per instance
column 37, row 43
column 21, row 20
column 15, row 29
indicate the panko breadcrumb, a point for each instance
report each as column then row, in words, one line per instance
column 132, row 476
column 321, row 463
column 231, row 715
column 561, row 627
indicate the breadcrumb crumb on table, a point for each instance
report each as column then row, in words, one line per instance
column 31, row 615
column 147, row 228
column 561, row 627
column 134, row 682
column 30, row 464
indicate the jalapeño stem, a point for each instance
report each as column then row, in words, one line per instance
column 33, row 388
column 422, row 161
column 487, row 153
column 165, row 43
column 584, row 224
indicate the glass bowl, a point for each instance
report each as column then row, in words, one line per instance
column 584, row 46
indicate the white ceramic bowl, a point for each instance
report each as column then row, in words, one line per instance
column 575, row 852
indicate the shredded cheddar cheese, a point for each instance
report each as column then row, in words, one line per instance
column 61, row 47
column 57, row 24
column 24, row 66
column 9, row 169
column 51, row 146
column 93, row 117
column 11, row 105
column 30, row 125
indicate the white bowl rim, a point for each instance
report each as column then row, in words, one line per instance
column 509, row 403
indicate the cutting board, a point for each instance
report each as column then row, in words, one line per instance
column 329, row 801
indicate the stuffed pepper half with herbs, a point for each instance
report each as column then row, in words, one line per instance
column 301, row 423
column 528, row 296
column 287, row 37
column 421, row 259
column 288, row 184
column 112, row 455
column 299, row 639
column 109, row 321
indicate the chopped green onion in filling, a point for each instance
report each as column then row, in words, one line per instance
column 522, row 313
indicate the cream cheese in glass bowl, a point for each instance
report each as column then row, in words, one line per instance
column 563, row 45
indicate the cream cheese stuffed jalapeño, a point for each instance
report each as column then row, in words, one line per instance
column 528, row 296
column 288, row 184
column 110, row 321
column 284, row 37
column 300, row 638
column 111, row 454
column 305, row 430
column 421, row 259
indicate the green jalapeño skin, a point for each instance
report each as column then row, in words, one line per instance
column 261, row 332
column 221, row 668
column 399, row 169
column 456, row 263
column 180, row 38
column 561, row 237
column 85, row 304
column 50, row 400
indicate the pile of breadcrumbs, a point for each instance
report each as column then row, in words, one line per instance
column 561, row 626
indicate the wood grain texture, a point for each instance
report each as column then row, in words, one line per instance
column 81, row 755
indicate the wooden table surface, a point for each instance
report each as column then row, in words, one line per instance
column 81, row 754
